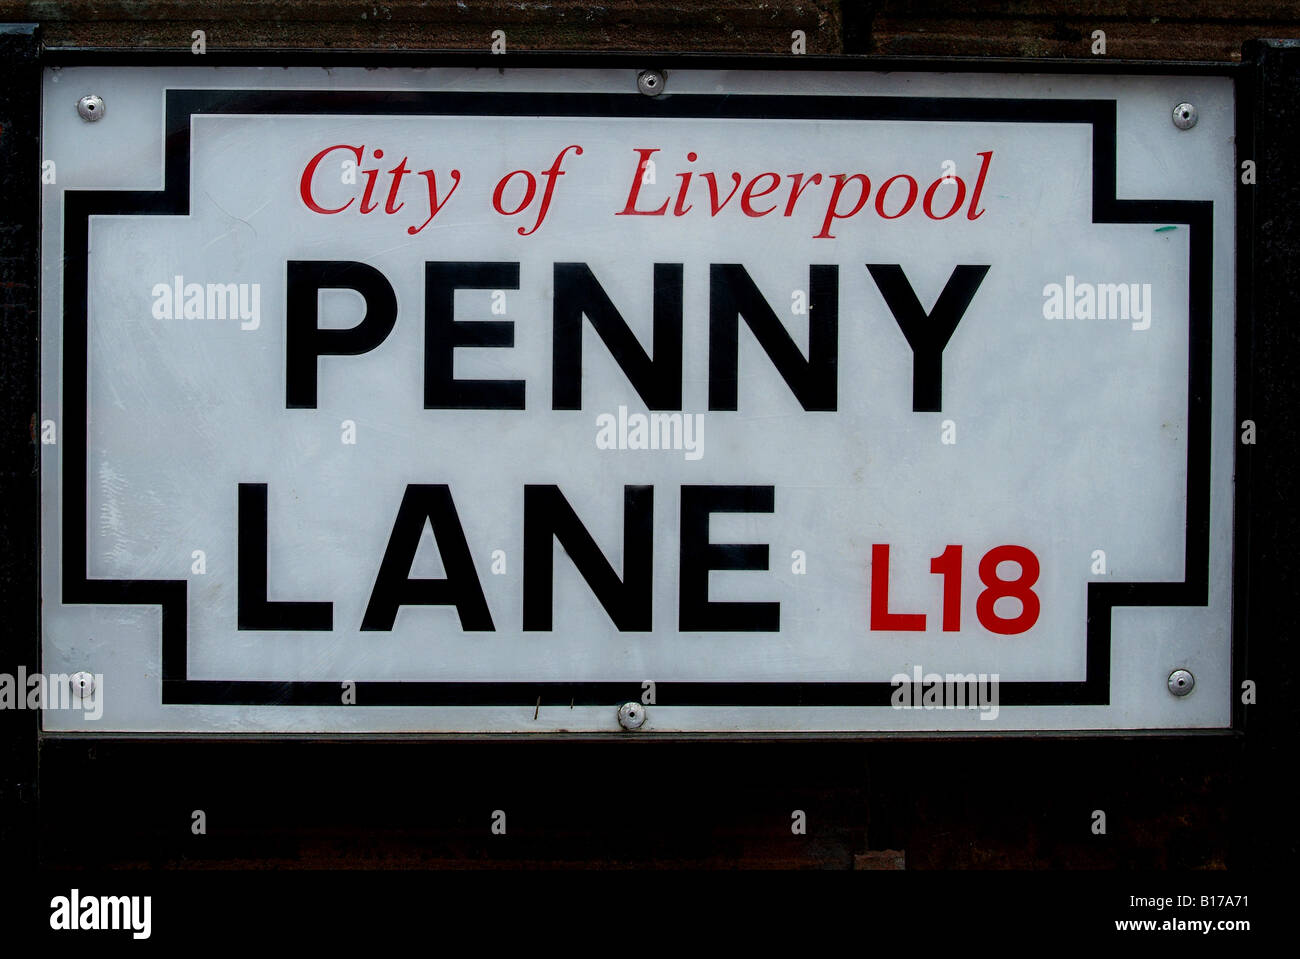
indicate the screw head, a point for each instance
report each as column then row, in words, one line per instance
column 83, row 683
column 91, row 107
column 1181, row 682
column 650, row 82
column 1184, row 116
column 631, row 715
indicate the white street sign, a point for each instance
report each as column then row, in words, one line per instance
column 466, row 400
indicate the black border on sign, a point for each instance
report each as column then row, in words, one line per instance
column 183, row 104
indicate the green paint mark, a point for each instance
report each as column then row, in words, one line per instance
column 1165, row 229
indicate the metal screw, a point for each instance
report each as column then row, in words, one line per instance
column 83, row 683
column 91, row 107
column 1184, row 116
column 631, row 715
column 650, row 82
column 1181, row 682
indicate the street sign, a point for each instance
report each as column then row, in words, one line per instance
column 476, row 400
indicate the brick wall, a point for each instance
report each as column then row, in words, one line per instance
column 1186, row 30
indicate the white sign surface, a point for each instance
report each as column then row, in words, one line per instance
column 487, row 401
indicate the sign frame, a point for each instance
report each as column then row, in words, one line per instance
column 178, row 688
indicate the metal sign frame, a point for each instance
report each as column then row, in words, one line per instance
column 20, row 388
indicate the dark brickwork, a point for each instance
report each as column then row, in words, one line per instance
column 1158, row 29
